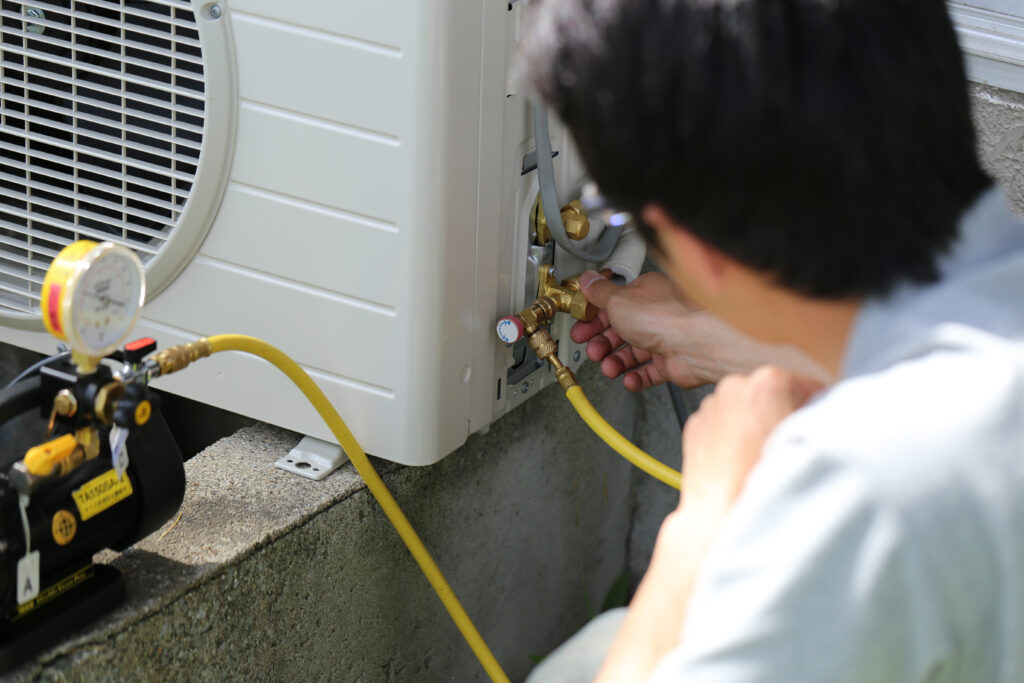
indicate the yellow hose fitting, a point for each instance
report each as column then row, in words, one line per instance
column 546, row 348
column 543, row 345
column 565, row 378
column 181, row 356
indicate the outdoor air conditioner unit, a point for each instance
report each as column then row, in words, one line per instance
column 342, row 179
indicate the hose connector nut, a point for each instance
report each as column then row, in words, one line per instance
column 511, row 329
column 543, row 345
column 181, row 356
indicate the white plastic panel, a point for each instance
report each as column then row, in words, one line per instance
column 319, row 161
column 250, row 234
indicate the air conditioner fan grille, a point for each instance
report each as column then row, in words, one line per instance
column 102, row 110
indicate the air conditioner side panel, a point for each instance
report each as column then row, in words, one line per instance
column 348, row 233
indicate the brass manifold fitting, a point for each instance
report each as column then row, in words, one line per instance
column 568, row 296
column 552, row 298
column 179, row 357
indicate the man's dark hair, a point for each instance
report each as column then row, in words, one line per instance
column 826, row 142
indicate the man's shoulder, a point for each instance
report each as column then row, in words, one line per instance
column 926, row 417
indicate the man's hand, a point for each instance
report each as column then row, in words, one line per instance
column 648, row 333
column 639, row 329
column 723, row 440
column 721, row 443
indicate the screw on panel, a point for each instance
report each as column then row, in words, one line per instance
column 575, row 356
column 34, row 13
column 524, row 387
column 215, row 11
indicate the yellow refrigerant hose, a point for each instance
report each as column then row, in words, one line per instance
column 618, row 442
column 257, row 347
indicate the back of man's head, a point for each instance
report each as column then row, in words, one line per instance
column 826, row 142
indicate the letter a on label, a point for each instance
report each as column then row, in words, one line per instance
column 28, row 577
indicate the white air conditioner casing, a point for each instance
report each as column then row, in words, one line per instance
column 358, row 202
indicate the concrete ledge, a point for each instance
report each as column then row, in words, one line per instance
column 270, row 576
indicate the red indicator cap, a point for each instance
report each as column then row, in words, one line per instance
column 136, row 350
column 510, row 329
column 139, row 344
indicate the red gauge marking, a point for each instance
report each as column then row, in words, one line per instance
column 53, row 308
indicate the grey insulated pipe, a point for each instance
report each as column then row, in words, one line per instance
column 549, row 196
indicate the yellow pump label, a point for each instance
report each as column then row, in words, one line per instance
column 96, row 495
column 51, row 592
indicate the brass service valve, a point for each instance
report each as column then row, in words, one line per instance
column 547, row 348
column 568, row 296
column 552, row 298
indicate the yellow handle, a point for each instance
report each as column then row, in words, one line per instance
column 621, row 444
column 257, row 347
column 45, row 459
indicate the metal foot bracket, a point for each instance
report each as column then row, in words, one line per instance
column 313, row 458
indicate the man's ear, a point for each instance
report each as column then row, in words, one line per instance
column 692, row 261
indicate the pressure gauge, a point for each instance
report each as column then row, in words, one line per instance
column 92, row 295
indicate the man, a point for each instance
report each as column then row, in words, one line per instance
column 805, row 171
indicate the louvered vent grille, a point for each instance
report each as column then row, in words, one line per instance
column 101, row 123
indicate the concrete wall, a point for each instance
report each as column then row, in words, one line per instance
column 1000, row 120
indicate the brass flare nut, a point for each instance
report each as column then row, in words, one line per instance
column 568, row 296
column 181, row 356
column 574, row 220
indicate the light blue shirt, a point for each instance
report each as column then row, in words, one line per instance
column 881, row 537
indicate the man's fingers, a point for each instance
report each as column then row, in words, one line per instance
column 623, row 359
column 643, row 377
column 582, row 331
column 597, row 289
column 802, row 388
column 603, row 344
column 598, row 348
column 785, row 389
column 631, row 357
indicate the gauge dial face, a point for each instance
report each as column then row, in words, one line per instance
column 107, row 294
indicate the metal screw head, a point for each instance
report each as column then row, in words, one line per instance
column 65, row 403
column 524, row 387
column 34, row 13
column 215, row 11
column 575, row 355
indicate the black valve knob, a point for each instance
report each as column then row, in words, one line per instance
column 135, row 407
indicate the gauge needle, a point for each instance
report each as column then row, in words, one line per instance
column 105, row 300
